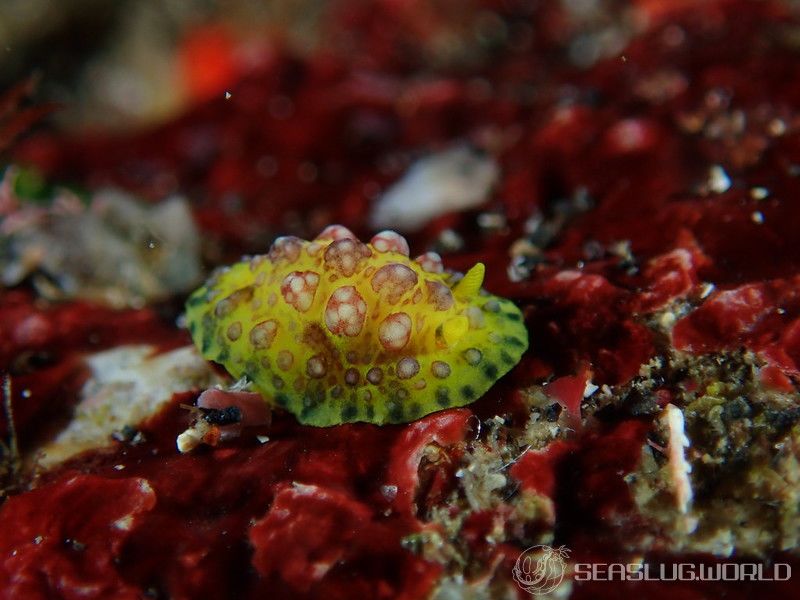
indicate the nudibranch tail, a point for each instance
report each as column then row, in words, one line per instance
column 335, row 330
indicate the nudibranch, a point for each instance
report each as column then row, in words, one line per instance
column 335, row 330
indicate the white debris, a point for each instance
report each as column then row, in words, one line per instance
column 679, row 467
column 457, row 179
column 757, row 217
column 389, row 492
column 492, row 221
column 192, row 437
column 777, row 127
column 589, row 389
column 127, row 385
column 450, row 240
column 706, row 289
column 718, row 180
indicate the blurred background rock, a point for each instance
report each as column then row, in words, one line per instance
column 118, row 65
column 124, row 63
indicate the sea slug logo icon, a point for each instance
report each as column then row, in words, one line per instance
column 540, row 569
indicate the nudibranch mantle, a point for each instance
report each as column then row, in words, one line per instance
column 335, row 330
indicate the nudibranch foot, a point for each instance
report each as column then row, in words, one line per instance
column 335, row 330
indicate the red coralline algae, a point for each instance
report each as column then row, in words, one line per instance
column 673, row 275
column 402, row 476
column 311, row 532
column 41, row 346
column 568, row 392
column 537, row 470
column 583, row 315
column 48, row 553
column 761, row 316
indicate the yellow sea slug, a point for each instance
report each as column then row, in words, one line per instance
column 335, row 330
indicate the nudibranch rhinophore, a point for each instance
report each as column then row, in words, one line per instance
column 335, row 330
